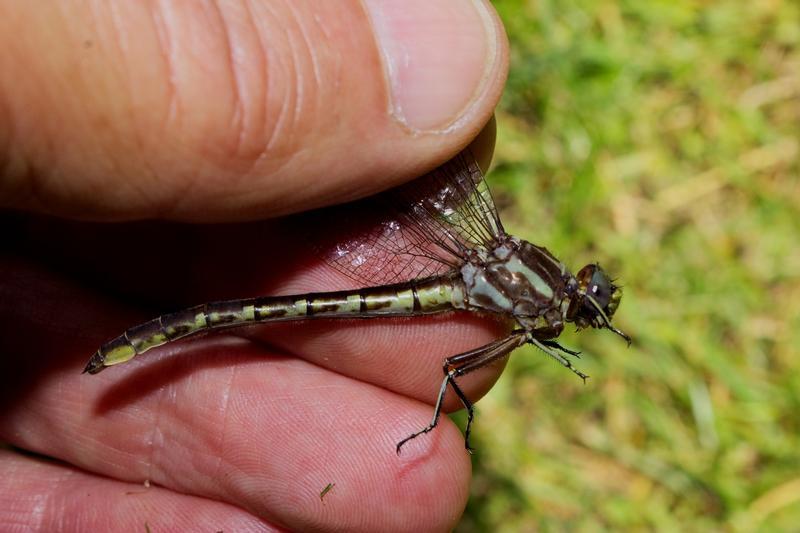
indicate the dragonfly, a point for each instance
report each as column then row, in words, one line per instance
column 434, row 245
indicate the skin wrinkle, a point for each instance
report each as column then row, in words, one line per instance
column 298, row 79
column 217, row 472
column 319, row 27
column 152, row 448
column 166, row 21
column 165, row 44
column 263, row 63
column 334, row 73
column 296, row 105
column 122, row 38
column 257, row 58
column 238, row 120
column 256, row 126
column 334, row 61
column 181, row 189
column 309, row 55
column 313, row 106
column 276, row 153
column 260, row 58
column 285, row 104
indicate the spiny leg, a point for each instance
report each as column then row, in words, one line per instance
column 557, row 346
column 468, row 405
column 436, row 412
column 557, row 356
column 462, row 364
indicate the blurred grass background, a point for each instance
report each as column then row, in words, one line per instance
column 662, row 139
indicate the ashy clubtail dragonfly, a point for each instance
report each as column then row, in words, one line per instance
column 438, row 246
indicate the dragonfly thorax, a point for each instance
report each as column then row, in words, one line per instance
column 518, row 278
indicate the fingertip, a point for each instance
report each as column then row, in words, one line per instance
column 438, row 56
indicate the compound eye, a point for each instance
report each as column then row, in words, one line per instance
column 600, row 288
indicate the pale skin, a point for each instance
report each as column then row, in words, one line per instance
column 201, row 115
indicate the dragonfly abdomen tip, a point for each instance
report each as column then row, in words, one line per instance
column 95, row 364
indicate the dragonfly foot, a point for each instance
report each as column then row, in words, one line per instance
column 413, row 436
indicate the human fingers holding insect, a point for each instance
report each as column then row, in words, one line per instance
column 209, row 113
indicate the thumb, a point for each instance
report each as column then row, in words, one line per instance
column 230, row 110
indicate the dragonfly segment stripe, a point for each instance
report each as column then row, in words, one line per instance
column 146, row 336
column 349, row 304
column 549, row 269
column 440, row 296
column 232, row 313
column 390, row 302
column 513, row 264
column 483, row 292
column 516, row 278
column 426, row 296
column 114, row 352
column 183, row 323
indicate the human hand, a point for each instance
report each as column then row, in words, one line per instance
column 220, row 113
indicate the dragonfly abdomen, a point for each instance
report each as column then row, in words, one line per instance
column 420, row 297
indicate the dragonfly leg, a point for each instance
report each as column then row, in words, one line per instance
column 437, row 411
column 468, row 406
column 548, row 349
column 557, row 346
column 462, row 364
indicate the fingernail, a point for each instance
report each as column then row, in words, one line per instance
column 437, row 55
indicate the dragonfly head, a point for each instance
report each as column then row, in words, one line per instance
column 595, row 300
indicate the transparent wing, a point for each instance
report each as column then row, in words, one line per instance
column 421, row 229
